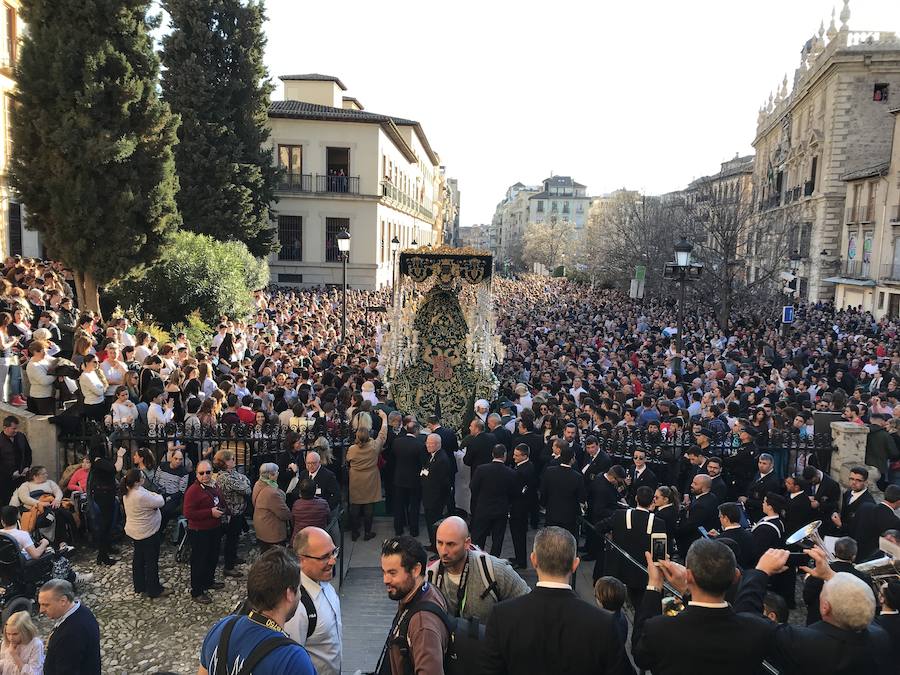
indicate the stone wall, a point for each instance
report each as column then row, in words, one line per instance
column 41, row 436
column 850, row 440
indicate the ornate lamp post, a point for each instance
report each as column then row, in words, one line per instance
column 681, row 270
column 395, row 246
column 343, row 242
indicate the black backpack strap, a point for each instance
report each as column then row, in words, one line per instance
column 310, row 608
column 402, row 640
column 261, row 651
column 222, row 649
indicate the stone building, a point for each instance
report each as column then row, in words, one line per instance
column 831, row 121
column 345, row 168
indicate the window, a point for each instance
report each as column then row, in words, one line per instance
column 290, row 158
column 880, row 93
column 332, row 227
column 565, row 208
column 553, row 206
column 12, row 39
column 290, row 278
column 15, row 228
column 290, row 236
column 540, row 208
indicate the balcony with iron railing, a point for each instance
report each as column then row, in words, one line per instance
column 866, row 214
column 404, row 201
column 851, row 216
column 895, row 214
column 338, row 184
column 890, row 271
column 855, row 269
column 295, row 182
column 808, row 188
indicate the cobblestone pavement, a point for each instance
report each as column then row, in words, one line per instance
column 139, row 635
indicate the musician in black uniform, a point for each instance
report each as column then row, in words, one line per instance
column 631, row 530
column 493, row 488
column 562, row 493
column 825, row 493
column 845, row 550
column 702, row 512
column 524, row 501
column 730, row 521
column 719, row 481
column 597, row 461
column 768, row 531
column 764, row 482
column 875, row 521
column 604, row 498
column 852, row 502
column 639, row 475
column 799, row 511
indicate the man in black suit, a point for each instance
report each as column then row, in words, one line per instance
column 597, row 461
column 696, row 465
column 449, row 444
column 702, row 512
column 326, row 482
column 479, row 445
column 74, row 643
column 825, row 493
column 495, row 426
column 852, row 503
column 604, row 502
column 639, row 475
column 875, row 520
column 764, row 482
column 799, row 511
column 524, row 501
column 562, row 493
column 844, row 642
column 15, row 457
column 845, row 550
column 719, row 484
column 409, row 451
column 435, row 478
column 768, row 531
column 584, row 638
column 493, row 488
column 889, row 619
column 730, row 521
column 631, row 530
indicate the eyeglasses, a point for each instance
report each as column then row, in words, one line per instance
column 324, row 558
column 203, row 473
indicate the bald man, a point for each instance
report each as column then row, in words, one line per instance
column 703, row 511
column 326, row 483
column 472, row 581
column 318, row 556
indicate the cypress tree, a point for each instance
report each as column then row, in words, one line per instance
column 215, row 79
column 92, row 158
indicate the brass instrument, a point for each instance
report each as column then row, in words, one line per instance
column 886, row 567
column 808, row 537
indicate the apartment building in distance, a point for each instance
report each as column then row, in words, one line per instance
column 375, row 176
column 475, row 236
column 829, row 125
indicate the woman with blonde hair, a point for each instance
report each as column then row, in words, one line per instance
column 22, row 652
column 365, row 480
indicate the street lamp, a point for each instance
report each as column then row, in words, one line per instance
column 343, row 242
column 795, row 261
column 682, row 270
column 395, row 246
column 414, row 243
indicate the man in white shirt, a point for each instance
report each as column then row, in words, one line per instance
column 318, row 556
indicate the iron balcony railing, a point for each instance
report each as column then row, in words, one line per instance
column 851, row 216
column 855, row 269
column 405, row 201
column 890, row 271
column 295, row 182
column 340, row 184
column 808, row 188
column 866, row 214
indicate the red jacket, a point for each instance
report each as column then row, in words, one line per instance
column 198, row 505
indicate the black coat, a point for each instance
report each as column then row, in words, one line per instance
column 873, row 520
column 799, row 512
column 15, row 454
column 580, row 639
column 599, row 465
column 647, row 479
column 503, row 436
column 890, row 623
column 746, row 556
column 756, row 491
column 535, row 447
column 669, row 516
column 327, row 482
column 74, row 647
column 408, row 451
column 812, row 588
column 493, row 488
column 703, row 512
column 604, row 498
column 526, row 497
column 479, row 449
column 850, row 512
column 820, row 648
column 720, row 489
column 436, row 485
column 449, row 444
column 767, row 534
column 828, row 494
column 562, row 491
column 635, row 540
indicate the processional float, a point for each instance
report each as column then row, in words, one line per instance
column 442, row 347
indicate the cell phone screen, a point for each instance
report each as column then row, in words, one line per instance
column 659, row 549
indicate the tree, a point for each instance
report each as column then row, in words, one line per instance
column 215, row 79
column 196, row 272
column 548, row 242
column 92, row 141
column 723, row 228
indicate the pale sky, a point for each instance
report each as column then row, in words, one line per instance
column 645, row 94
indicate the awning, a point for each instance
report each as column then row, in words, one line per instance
column 849, row 282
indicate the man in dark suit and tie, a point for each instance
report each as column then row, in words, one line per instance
column 875, row 520
column 639, row 475
column 326, row 482
column 479, row 445
column 409, row 451
column 583, row 639
column 825, row 493
column 597, row 461
column 845, row 550
column 719, row 484
column 730, row 521
column 768, row 531
column 523, row 502
column 449, row 444
column 493, row 488
column 798, row 511
column 74, row 643
column 495, row 426
column 562, row 493
column 853, row 503
column 435, row 478
column 702, row 512
column 604, row 502
column 764, row 482
column 631, row 530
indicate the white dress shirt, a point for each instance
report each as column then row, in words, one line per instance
column 324, row 645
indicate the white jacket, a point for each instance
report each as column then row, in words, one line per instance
column 41, row 381
column 91, row 388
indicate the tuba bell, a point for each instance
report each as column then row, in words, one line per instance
column 886, row 567
column 808, row 537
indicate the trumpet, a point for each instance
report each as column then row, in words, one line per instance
column 886, row 567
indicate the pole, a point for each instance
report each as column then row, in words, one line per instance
column 679, row 343
column 344, row 313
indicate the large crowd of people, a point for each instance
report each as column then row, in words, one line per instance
column 603, row 437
